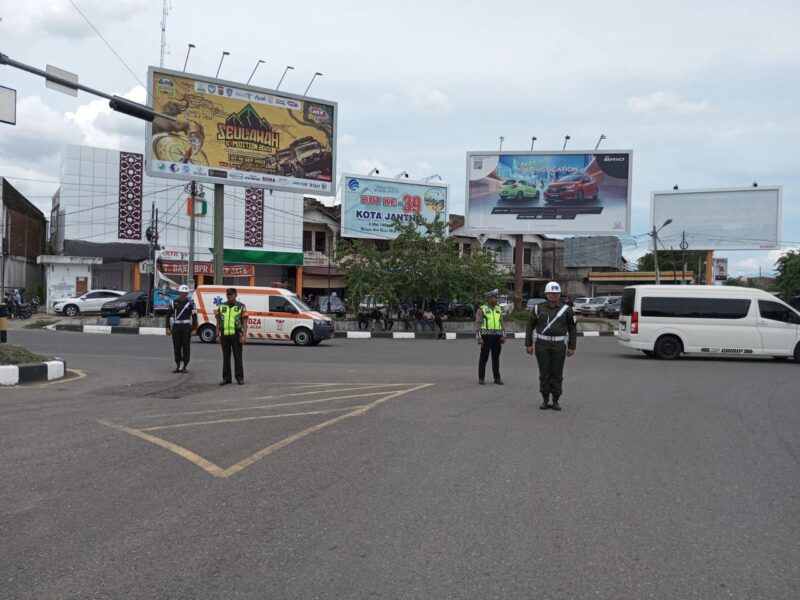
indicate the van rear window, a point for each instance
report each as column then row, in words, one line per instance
column 628, row 302
column 695, row 308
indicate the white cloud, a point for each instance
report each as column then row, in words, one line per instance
column 420, row 97
column 765, row 261
column 365, row 165
column 667, row 102
column 347, row 141
column 103, row 127
column 59, row 18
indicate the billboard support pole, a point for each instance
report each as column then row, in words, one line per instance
column 709, row 267
column 190, row 266
column 518, row 253
column 219, row 233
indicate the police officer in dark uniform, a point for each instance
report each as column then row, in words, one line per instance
column 231, row 333
column 553, row 326
column 181, row 325
column 491, row 336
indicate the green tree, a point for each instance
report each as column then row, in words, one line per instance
column 669, row 260
column 787, row 282
column 423, row 262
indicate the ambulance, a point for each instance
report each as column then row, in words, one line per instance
column 272, row 314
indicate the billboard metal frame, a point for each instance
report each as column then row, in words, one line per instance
column 393, row 180
column 543, row 230
column 148, row 161
column 779, row 212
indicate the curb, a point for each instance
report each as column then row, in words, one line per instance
column 350, row 335
column 32, row 372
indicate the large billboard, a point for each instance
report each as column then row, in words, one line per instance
column 372, row 205
column 239, row 135
column 549, row 192
column 746, row 218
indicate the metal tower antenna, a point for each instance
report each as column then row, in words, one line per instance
column 164, row 12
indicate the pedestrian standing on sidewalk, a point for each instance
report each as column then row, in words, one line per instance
column 491, row 336
column 181, row 325
column 231, row 333
column 552, row 326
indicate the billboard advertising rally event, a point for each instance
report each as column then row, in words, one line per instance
column 419, row 300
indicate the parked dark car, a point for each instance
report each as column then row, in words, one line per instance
column 132, row 304
column 611, row 311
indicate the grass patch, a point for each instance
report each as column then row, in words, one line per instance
column 17, row 355
column 40, row 324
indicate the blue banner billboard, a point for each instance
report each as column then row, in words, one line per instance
column 372, row 205
column 549, row 192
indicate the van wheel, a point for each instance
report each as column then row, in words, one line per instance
column 302, row 337
column 668, row 347
column 207, row 334
column 316, row 342
column 647, row 352
column 797, row 353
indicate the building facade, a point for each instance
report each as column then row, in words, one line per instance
column 106, row 204
column 23, row 231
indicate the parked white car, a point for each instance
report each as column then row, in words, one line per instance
column 91, row 302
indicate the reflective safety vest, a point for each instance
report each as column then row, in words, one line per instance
column 492, row 323
column 231, row 318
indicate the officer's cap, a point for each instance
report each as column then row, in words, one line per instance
column 494, row 293
column 183, row 288
column 231, row 291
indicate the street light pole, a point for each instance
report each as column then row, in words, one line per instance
column 224, row 54
column 533, row 141
column 602, row 137
column 286, row 70
column 654, row 235
column 312, row 81
column 502, row 139
column 566, row 139
column 188, row 50
column 254, row 70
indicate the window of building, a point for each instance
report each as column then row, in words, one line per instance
column 306, row 241
column 466, row 249
column 695, row 308
column 526, row 256
column 319, row 241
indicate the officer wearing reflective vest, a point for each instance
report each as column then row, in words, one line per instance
column 181, row 325
column 552, row 325
column 491, row 336
column 231, row 333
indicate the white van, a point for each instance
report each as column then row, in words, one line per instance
column 668, row 320
column 272, row 314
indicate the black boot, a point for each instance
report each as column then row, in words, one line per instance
column 555, row 402
column 545, row 401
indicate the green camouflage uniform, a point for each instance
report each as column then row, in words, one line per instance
column 551, row 354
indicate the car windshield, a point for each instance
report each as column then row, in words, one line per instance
column 510, row 181
column 299, row 303
column 574, row 177
column 597, row 301
column 129, row 296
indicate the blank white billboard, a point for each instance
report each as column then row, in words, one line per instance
column 747, row 218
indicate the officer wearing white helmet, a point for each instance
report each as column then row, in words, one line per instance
column 552, row 326
column 181, row 325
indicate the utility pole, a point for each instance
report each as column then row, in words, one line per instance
column 190, row 266
column 654, row 235
column 219, row 233
column 684, row 246
column 152, row 237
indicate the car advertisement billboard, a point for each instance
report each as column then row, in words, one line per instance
column 235, row 134
column 745, row 218
column 372, row 205
column 549, row 192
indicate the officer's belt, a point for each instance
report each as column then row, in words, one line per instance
column 182, row 322
column 550, row 338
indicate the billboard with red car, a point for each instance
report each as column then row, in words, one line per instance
column 549, row 192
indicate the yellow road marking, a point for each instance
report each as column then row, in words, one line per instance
column 361, row 387
column 255, row 457
column 192, row 457
column 217, row 471
column 78, row 374
column 241, row 419
column 260, row 406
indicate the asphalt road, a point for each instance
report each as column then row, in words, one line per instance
column 379, row 469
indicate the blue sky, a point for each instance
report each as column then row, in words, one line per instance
column 704, row 93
